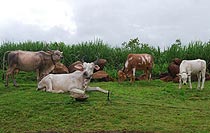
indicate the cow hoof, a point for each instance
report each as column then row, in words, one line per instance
column 38, row 89
column 80, row 97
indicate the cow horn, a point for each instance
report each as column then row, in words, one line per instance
column 83, row 59
column 46, row 46
column 123, row 69
column 49, row 49
column 96, row 61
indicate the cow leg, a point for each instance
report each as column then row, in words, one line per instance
column 199, row 80
column 146, row 74
column 37, row 75
column 78, row 91
column 180, row 82
column 203, row 73
column 42, row 85
column 96, row 89
column 189, row 79
column 13, row 78
column 7, row 78
column 133, row 76
column 150, row 74
column 100, row 90
column 10, row 71
column 49, row 87
column 55, row 91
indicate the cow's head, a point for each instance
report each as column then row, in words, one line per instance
column 87, row 67
column 56, row 55
column 121, row 76
column 183, row 77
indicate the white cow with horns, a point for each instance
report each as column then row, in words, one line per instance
column 192, row 67
column 76, row 83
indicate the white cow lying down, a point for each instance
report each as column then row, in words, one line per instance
column 75, row 83
column 192, row 67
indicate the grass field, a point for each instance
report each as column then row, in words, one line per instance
column 154, row 106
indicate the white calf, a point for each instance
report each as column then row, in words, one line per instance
column 76, row 82
column 192, row 67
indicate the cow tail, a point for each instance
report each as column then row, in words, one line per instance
column 3, row 64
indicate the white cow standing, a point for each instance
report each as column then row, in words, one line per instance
column 75, row 83
column 192, row 67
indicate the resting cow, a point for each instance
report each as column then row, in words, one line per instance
column 76, row 82
column 60, row 68
column 72, row 67
column 136, row 62
column 192, row 67
column 41, row 62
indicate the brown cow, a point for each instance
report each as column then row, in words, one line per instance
column 60, row 68
column 101, row 63
column 102, row 76
column 136, row 62
column 72, row 67
column 173, row 70
column 173, row 67
column 41, row 62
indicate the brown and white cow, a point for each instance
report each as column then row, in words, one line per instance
column 136, row 62
column 41, row 62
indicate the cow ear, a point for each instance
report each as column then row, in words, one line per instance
column 97, row 67
column 79, row 66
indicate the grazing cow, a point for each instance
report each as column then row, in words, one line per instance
column 41, row 62
column 75, row 83
column 136, row 62
column 60, row 68
column 189, row 68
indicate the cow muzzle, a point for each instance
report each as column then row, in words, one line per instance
column 87, row 76
column 184, row 83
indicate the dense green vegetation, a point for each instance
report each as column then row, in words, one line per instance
column 116, row 56
column 142, row 106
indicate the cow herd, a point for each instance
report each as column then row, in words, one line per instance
column 50, row 71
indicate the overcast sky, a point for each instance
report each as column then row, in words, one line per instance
column 157, row 22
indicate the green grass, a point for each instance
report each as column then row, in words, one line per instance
column 143, row 106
